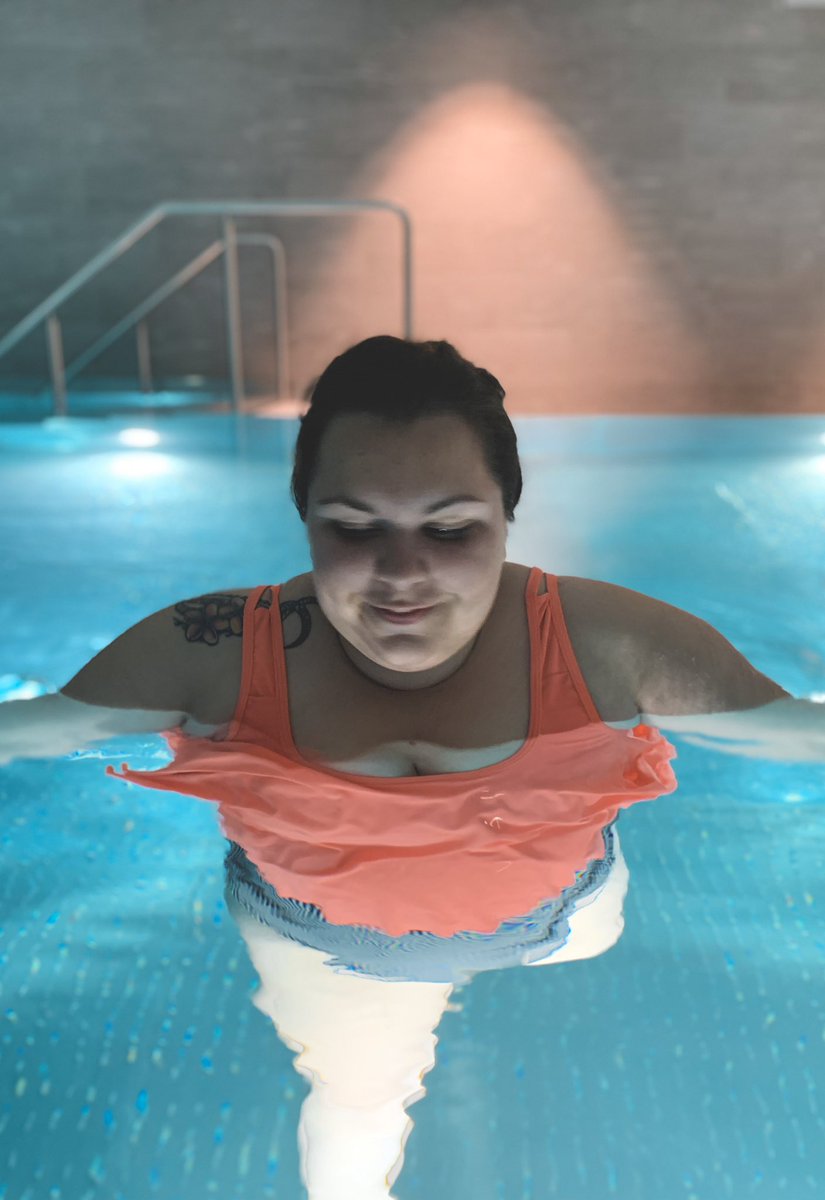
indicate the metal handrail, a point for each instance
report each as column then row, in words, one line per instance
column 135, row 318
column 227, row 209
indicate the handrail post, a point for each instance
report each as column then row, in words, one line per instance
column 57, row 367
column 406, row 273
column 233, row 312
column 144, row 357
column 283, row 383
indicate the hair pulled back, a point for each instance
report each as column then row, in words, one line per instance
column 400, row 381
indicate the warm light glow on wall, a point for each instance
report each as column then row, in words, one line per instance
column 521, row 258
column 810, row 383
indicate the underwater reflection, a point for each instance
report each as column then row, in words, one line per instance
column 365, row 1043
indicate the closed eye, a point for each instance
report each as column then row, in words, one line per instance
column 364, row 531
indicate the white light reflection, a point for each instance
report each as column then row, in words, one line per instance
column 142, row 466
column 137, row 466
column 139, row 438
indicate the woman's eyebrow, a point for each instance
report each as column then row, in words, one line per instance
column 350, row 502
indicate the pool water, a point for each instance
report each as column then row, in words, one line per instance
column 686, row 1063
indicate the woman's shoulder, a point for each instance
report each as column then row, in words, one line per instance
column 213, row 626
column 596, row 618
column 607, row 602
column 600, row 618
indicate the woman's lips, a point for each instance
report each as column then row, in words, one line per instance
column 402, row 618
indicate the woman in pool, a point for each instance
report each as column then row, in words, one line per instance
column 419, row 750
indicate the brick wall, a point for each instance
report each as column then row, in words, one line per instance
column 618, row 205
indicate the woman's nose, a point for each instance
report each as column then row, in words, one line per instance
column 402, row 556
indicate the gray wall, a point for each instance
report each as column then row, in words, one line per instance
column 619, row 205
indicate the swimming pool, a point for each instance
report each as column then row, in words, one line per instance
column 686, row 1063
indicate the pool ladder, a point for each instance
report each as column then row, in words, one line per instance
column 226, row 246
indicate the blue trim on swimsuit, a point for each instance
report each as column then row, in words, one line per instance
column 419, row 955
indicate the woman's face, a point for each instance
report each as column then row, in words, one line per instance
column 397, row 554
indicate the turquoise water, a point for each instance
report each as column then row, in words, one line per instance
column 686, row 1063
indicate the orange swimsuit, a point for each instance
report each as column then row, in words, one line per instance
column 444, row 853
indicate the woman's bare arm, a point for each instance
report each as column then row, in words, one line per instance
column 139, row 683
column 689, row 679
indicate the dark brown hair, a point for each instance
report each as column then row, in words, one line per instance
column 401, row 381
